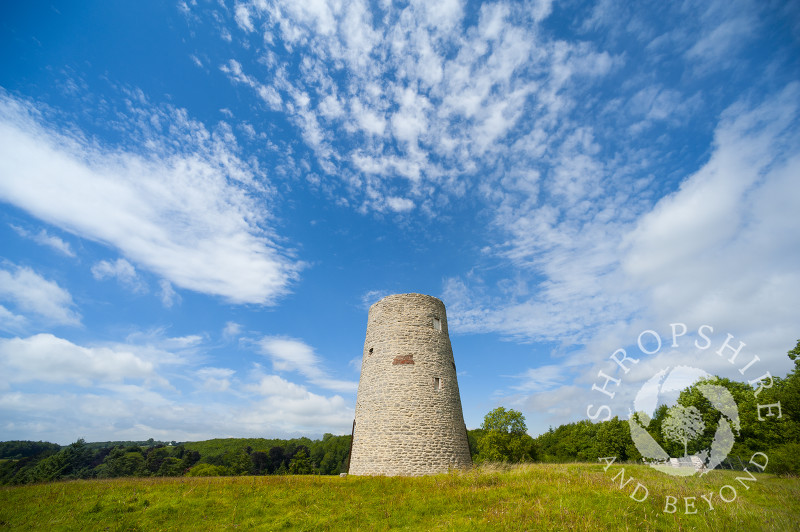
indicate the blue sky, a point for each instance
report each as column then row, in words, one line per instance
column 199, row 200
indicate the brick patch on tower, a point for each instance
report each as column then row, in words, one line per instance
column 403, row 359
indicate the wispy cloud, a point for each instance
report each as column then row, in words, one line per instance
column 232, row 330
column 215, row 379
column 289, row 354
column 32, row 293
column 10, row 322
column 121, row 270
column 421, row 100
column 45, row 239
column 186, row 212
column 168, row 295
column 373, row 296
column 601, row 268
column 722, row 250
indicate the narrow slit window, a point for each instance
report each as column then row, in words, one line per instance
column 370, row 351
column 437, row 383
column 437, row 324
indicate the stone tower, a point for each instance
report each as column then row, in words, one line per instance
column 408, row 417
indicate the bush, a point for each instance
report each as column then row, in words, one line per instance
column 170, row 467
column 785, row 460
column 207, row 470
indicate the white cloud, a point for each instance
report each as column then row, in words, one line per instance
column 243, row 17
column 729, row 27
column 721, row 250
column 373, row 296
column 542, row 9
column 355, row 363
column 187, row 216
column 11, row 322
column 215, row 379
column 121, row 270
column 131, row 389
column 726, row 233
column 232, row 330
column 289, row 407
column 422, row 99
column 46, row 358
column 168, row 294
column 45, row 239
column 31, row 292
column 273, row 385
column 399, row 204
column 289, row 354
column 265, row 404
column 540, row 379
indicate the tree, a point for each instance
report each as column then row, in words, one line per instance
column 613, row 438
column 260, row 462
column 122, row 462
column 505, row 438
column 239, row 463
column 155, row 456
column 207, row 470
column 794, row 354
column 15, row 450
column 170, row 467
column 502, row 420
column 300, row 464
column 790, row 398
column 683, row 424
column 277, row 458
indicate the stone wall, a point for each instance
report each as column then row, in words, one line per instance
column 408, row 418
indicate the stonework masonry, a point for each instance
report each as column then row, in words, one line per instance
column 408, row 418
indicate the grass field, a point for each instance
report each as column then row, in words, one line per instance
column 531, row 497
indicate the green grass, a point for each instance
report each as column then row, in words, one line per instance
column 532, row 497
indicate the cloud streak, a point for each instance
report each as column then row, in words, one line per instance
column 45, row 239
column 289, row 354
column 33, row 294
column 192, row 217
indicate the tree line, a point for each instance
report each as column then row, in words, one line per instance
column 681, row 430
column 24, row 462
column 777, row 435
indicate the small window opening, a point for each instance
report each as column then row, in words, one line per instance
column 370, row 351
column 437, row 324
column 437, row 383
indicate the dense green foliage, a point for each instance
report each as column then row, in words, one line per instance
column 29, row 462
column 778, row 437
column 504, row 438
column 16, row 450
column 527, row 497
column 501, row 420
